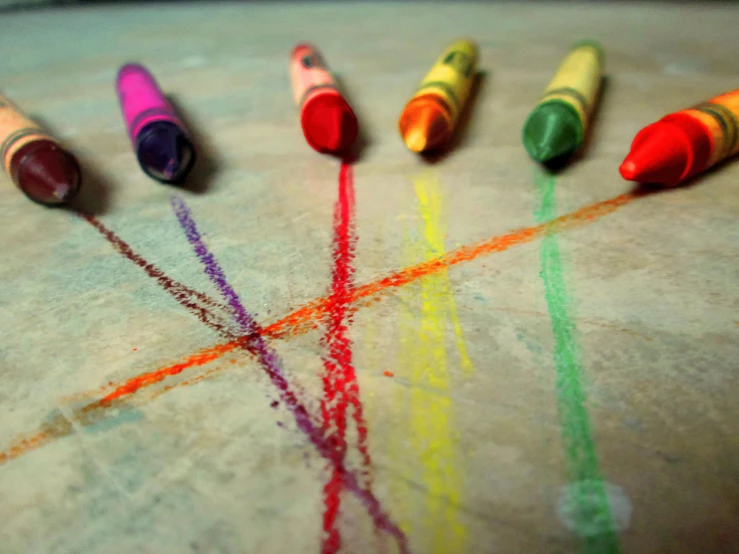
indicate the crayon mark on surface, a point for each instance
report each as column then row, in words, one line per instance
column 568, row 508
column 212, row 314
column 272, row 366
column 309, row 315
column 424, row 358
column 588, row 503
column 340, row 385
column 428, row 192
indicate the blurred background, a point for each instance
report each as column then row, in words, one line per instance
column 30, row 4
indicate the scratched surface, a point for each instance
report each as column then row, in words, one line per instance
column 394, row 356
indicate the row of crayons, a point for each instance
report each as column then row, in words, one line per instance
column 673, row 149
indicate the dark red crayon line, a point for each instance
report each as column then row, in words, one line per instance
column 339, row 377
column 200, row 305
column 333, row 448
column 308, row 316
column 269, row 361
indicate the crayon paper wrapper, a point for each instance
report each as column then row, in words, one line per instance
column 16, row 130
column 308, row 72
column 577, row 82
column 142, row 102
column 720, row 116
column 452, row 76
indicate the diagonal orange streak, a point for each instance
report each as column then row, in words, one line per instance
column 315, row 312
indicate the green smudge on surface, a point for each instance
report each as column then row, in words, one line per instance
column 588, row 500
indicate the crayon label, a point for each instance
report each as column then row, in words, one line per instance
column 16, row 130
column 142, row 102
column 451, row 76
column 577, row 81
column 309, row 73
column 720, row 117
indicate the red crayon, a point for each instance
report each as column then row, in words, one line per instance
column 36, row 163
column 685, row 143
column 328, row 122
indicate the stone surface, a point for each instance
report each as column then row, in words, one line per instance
column 471, row 436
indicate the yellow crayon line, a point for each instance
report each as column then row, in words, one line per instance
column 428, row 192
column 402, row 490
column 424, row 363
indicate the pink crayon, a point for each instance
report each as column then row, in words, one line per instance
column 162, row 145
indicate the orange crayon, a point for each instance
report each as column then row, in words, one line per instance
column 428, row 120
column 685, row 143
column 328, row 122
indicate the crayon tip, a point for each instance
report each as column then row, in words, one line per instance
column 424, row 125
column 164, row 152
column 415, row 140
column 329, row 124
column 46, row 173
column 660, row 154
column 553, row 129
column 628, row 170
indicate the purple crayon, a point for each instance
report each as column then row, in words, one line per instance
column 162, row 145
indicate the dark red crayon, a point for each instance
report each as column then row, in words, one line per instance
column 37, row 164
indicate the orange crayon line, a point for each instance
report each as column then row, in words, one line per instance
column 311, row 314
column 150, row 378
column 27, row 445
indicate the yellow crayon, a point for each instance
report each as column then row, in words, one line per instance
column 558, row 123
column 428, row 120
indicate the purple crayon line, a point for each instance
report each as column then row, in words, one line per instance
column 163, row 147
column 271, row 364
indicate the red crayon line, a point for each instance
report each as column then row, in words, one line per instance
column 339, row 378
column 255, row 345
column 307, row 317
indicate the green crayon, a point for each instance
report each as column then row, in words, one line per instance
column 559, row 121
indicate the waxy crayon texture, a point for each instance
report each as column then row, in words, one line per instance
column 578, row 80
column 272, row 366
column 162, row 145
column 340, row 384
column 591, row 502
column 307, row 317
column 427, row 311
column 308, row 72
column 210, row 313
column 328, row 122
column 557, row 125
column 16, row 130
column 142, row 101
column 451, row 76
column 428, row 120
column 685, row 143
column 36, row 163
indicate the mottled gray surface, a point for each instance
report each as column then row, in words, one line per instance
column 206, row 468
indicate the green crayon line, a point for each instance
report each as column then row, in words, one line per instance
column 588, row 502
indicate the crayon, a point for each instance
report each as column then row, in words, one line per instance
column 559, row 121
column 163, row 147
column 685, row 143
column 37, row 164
column 328, row 122
column 428, row 120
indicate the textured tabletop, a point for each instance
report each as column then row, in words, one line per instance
column 464, row 354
